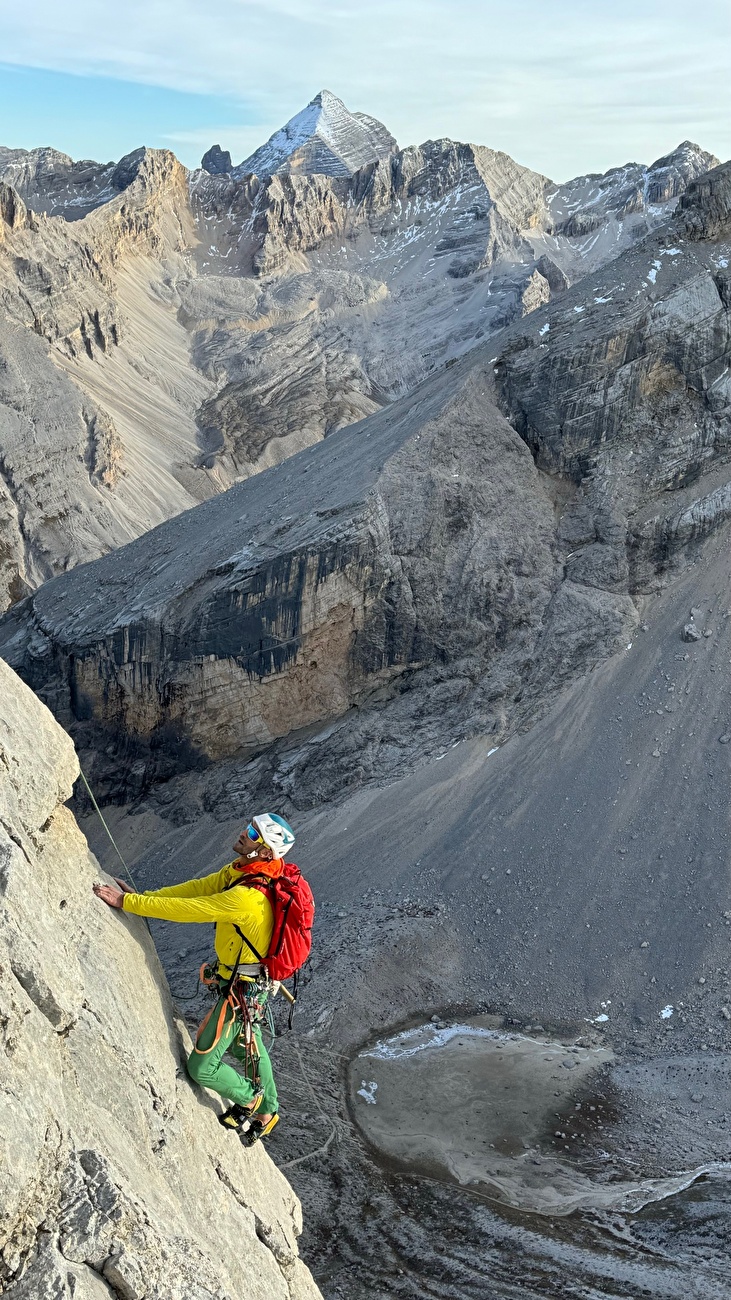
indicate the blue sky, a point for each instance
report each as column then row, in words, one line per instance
column 565, row 86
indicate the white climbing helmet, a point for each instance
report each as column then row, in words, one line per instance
column 275, row 832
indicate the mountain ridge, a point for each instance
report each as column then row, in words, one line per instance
column 185, row 330
column 325, row 138
column 329, row 584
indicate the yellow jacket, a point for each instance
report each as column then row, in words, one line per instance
column 205, row 900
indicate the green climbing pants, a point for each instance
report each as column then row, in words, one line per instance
column 209, row 1069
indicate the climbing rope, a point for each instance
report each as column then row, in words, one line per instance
column 289, row 1164
column 102, row 819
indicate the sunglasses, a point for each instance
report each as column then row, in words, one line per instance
column 253, row 834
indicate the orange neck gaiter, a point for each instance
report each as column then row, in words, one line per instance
column 273, row 868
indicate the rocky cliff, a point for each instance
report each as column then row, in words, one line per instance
column 97, row 394
column 165, row 333
column 116, row 1179
column 624, row 389
column 416, row 577
column 51, row 182
column 409, row 558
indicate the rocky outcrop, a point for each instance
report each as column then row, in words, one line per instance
column 97, row 393
column 624, row 389
column 217, row 161
column 116, row 1179
column 590, row 214
column 705, row 209
column 324, row 138
column 406, row 562
column 51, row 182
column 669, row 177
column 13, row 212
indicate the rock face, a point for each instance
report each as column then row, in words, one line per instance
column 170, row 333
column 97, row 394
column 591, row 215
column 116, row 1179
column 217, row 161
column 415, row 567
column 51, row 182
column 625, row 390
column 705, row 208
column 408, row 558
column 324, row 138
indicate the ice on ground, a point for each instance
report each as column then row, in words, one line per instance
column 411, row 1041
column 666, row 1013
column 368, row 1091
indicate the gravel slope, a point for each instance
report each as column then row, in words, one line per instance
column 522, row 883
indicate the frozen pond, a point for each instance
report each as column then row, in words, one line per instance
column 512, row 1115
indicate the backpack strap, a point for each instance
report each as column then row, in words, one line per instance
column 248, row 944
column 253, row 882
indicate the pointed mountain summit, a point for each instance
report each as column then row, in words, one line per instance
column 325, row 138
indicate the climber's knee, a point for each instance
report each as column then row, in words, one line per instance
column 200, row 1069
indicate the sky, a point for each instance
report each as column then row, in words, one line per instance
column 564, row 86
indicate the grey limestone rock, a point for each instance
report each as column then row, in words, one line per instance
column 589, row 212
column 403, row 568
column 167, row 333
column 557, row 279
column 705, row 210
column 217, row 161
column 114, row 1167
column 51, row 182
column 324, row 138
column 691, row 632
column 623, row 387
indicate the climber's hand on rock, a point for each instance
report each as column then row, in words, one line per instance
column 125, row 888
column 112, row 897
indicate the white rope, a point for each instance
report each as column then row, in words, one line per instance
column 100, row 815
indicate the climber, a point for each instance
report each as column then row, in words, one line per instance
column 245, row 919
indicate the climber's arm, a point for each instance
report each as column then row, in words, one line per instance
column 202, row 888
column 213, row 884
column 216, row 907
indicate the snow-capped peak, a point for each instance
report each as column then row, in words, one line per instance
column 324, row 137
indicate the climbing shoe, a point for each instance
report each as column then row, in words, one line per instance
column 256, row 1130
column 237, row 1117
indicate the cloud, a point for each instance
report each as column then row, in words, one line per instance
column 548, row 80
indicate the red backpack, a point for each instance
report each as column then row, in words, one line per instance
column 294, row 912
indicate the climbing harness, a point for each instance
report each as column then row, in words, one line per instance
column 243, row 999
